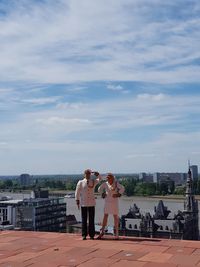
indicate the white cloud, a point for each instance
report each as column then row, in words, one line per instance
column 68, row 122
column 41, row 101
column 68, row 41
column 77, row 89
column 4, row 92
column 72, row 156
column 152, row 97
column 108, row 116
column 47, row 45
column 3, row 143
column 71, row 106
column 115, row 87
column 51, row 145
column 140, row 155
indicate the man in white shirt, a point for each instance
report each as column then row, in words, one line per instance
column 85, row 198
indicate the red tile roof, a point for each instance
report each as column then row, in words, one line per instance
column 42, row 249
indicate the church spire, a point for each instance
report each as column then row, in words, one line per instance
column 191, row 225
column 189, row 196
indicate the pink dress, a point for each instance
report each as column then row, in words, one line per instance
column 111, row 203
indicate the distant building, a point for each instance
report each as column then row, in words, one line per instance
column 156, row 177
column 142, row 175
column 183, row 178
column 157, row 225
column 42, row 214
column 40, row 193
column 25, row 179
column 194, row 172
column 183, row 225
column 35, row 214
column 145, row 177
column 7, row 211
column 191, row 227
column 177, row 177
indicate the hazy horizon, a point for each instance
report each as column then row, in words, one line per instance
column 81, row 174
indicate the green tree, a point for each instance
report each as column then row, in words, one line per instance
column 179, row 190
column 129, row 186
column 8, row 183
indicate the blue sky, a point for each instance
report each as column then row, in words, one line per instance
column 108, row 85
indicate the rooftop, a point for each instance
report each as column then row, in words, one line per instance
column 35, row 249
column 11, row 201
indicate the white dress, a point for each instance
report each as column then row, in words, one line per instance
column 111, row 203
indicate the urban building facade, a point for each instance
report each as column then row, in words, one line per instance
column 7, row 213
column 183, row 225
column 25, row 179
column 177, row 177
column 194, row 172
column 146, row 177
column 42, row 215
column 36, row 214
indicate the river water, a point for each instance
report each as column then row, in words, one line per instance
column 145, row 205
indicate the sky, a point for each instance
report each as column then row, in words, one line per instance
column 109, row 85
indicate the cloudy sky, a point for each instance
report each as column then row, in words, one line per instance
column 108, row 85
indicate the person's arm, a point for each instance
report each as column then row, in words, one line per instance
column 120, row 190
column 98, row 179
column 101, row 190
column 77, row 194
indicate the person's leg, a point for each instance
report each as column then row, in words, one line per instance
column 105, row 220
column 116, row 226
column 91, row 221
column 84, row 211
column 104, row 223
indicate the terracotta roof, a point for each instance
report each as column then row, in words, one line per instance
column 35, row 249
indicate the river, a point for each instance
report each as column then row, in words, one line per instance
column 145, row 205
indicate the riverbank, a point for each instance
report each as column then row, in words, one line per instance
column 152, row 198
column 168, row 197
column 64, row 192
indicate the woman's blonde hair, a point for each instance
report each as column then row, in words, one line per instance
column 110, row 175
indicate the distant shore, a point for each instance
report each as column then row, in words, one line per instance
column 64, row 192
column 151, row 198
column 168, row 197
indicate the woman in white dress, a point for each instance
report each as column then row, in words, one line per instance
column 111, row 191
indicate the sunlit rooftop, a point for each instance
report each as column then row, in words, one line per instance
column 35, row 249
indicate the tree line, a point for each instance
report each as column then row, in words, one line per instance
column 133, row 186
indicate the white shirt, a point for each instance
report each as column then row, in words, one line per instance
column 85, row 192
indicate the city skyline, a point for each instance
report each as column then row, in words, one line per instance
column 97, row 84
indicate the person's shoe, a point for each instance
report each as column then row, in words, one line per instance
column 101, row 234
column 84, row 238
